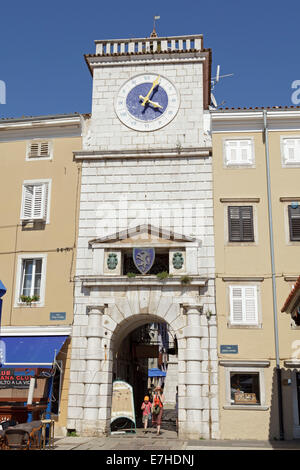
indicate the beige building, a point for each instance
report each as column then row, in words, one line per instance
column 39, row 198
column 256, row 170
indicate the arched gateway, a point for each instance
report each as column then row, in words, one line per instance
column 110, row 304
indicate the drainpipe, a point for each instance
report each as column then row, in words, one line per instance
column 278, row 370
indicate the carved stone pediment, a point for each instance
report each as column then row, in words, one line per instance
column 143, row 235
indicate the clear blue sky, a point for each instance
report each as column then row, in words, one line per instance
column 43, row 43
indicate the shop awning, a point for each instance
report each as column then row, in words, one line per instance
column 156, row 373
column 2, row 289
column 30, row 351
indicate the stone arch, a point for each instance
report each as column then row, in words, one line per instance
column 121, row 319
column 126, row 309
column 121, row 332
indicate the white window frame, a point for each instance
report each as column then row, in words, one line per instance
column 244, row 321
column 19, row 277
column 240, row 369
column 47, row 209
column 239, row 163
column 284, row 159
column 39, row 141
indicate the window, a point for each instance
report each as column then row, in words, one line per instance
column 244, row 388
column 30, row 283
column 291, row 151
column 240, row 224
column 245, row 384
column 35, row 200
column 294, row 222
column 243, row 305
column 239, row 152
column 31, row 279
column 39, row 149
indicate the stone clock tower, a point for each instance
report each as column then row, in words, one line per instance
column 146, row 188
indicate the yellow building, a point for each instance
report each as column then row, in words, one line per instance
column 39, row 199
column 256, row 171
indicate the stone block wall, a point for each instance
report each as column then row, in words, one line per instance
column 106, row 132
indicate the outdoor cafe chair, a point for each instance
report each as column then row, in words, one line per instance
column 16, row 439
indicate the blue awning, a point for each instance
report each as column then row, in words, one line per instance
column 30, row 351
column 156, row 373
column 2, row 289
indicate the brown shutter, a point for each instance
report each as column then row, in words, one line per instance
column 294, row 223
column 240, row 224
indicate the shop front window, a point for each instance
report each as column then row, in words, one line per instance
column 244, row 388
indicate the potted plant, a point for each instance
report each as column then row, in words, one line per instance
column 29, row 299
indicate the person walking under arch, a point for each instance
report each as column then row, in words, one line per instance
column 146, row 407
column 157, row 408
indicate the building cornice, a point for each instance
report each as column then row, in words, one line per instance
column 47, row 127
column 96, row 61
column 142, row 154
column 43, row 121
column 94, row 281
column 243, row 363
column 224, row 121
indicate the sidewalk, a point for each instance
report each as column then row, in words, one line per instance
column 168, row 440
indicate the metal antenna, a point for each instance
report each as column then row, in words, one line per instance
column 215, row 80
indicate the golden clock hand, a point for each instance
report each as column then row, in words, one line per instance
column 146, row 98
column 155, row 104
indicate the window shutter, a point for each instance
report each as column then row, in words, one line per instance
column 39, row 202
column 245, row 151
column 35, row 201
column 27, row 202
column 291, row 149
column 231, row 152
column 236, row 301
column 240, row 224
column 294, row 223
column 44, row 149
column 39, row 149
column 238, row 152
column 243, row 305
column 234, row 224
column 246, row 213
column 251, row 314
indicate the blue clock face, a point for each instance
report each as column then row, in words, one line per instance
column 153, row 109
column 147, row 102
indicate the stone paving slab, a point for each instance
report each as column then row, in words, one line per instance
column 166, row 441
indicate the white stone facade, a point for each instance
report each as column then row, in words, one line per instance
column 186, row 130
column 132, row 181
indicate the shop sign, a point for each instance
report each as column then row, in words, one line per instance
column 122, row 401
column 13, row 378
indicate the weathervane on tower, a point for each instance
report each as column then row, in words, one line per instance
column 154, row 33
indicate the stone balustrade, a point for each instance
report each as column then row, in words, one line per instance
column 142, row 45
